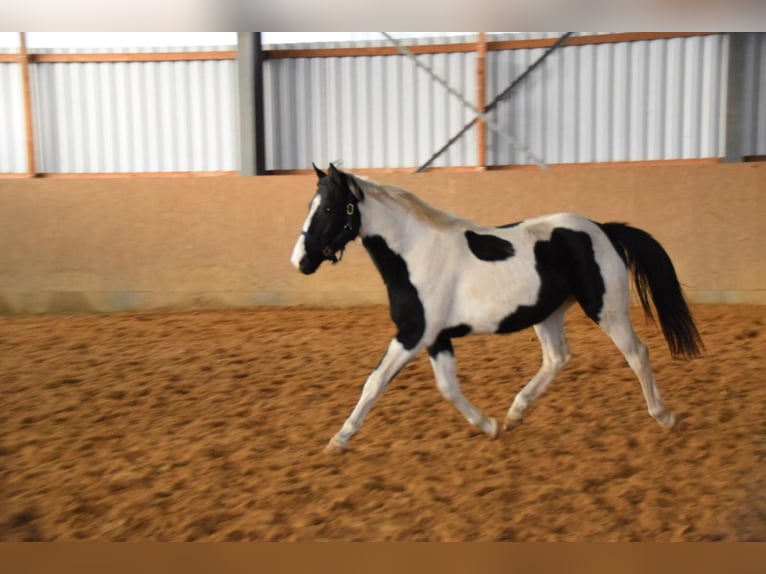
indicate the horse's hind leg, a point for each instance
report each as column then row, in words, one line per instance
column 442, row 359
column 617, row 325
column 556, row 354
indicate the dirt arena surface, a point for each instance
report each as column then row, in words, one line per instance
column 210, row 426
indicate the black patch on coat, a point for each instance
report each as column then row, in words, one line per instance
column 406, row 309
column 489, row 247
column 443, row 343
column 567, row 268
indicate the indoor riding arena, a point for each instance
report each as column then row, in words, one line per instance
column 166, row 374
column 204, row 418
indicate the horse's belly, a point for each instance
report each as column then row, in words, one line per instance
column 485, row 297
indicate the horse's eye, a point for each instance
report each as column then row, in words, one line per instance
column 328, row 210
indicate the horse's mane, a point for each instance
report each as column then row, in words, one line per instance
column 413, row 204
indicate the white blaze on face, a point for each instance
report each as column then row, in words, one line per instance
column 300, row 246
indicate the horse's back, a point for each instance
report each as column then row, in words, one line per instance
column 542, row 225
column 573, row 233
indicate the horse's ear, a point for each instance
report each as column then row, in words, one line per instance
column 335, row 175
column 353, row 187
column 319, row 172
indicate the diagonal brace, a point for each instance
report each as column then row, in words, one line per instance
column 480, row 114
column 492, row 105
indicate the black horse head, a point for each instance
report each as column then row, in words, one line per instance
column 332, row 222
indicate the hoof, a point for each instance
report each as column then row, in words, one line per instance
column 667, row 420
column 511, row 423
column 335, row 448
column 671, row 421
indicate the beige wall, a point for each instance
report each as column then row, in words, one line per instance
column 135, row 243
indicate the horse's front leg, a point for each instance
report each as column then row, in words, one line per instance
column 393, row 361
column 442, row 358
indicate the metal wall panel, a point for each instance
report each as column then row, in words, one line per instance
column 754, row 105
column 12, row 131
column 659, row 99
column 136, row 116
column 367, row 111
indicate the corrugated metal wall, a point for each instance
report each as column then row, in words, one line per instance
column 647, row 100
column 754, row 106
column 136, row 116
column 378, row 111
column 371, row 111
column 659, row 99
column 12, row 131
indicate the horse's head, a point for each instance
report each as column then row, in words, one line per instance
column 332, row 222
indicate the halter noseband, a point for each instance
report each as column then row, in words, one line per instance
column 348, row 233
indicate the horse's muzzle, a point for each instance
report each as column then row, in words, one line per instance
column 307, row 266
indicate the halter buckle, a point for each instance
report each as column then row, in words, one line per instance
column 349, row 209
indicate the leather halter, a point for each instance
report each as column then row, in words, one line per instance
column 347, row 233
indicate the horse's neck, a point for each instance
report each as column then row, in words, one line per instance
column 390, row 220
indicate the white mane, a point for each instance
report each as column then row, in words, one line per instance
column 422, row 210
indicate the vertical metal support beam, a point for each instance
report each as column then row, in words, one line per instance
column 27, row 93
column 481, row 98
column 735, row 87
column 252, row 138
column 260, row 124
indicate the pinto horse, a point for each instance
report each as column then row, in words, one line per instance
column 448, row 277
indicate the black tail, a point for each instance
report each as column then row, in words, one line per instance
column 653, row 273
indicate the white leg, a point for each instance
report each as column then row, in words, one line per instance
column 393, row 361
column 555, row 355
column 620, row 330
column 443, row 365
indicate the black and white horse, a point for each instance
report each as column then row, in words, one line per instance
column 448, row 277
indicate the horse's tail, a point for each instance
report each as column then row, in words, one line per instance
column 653, row 272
